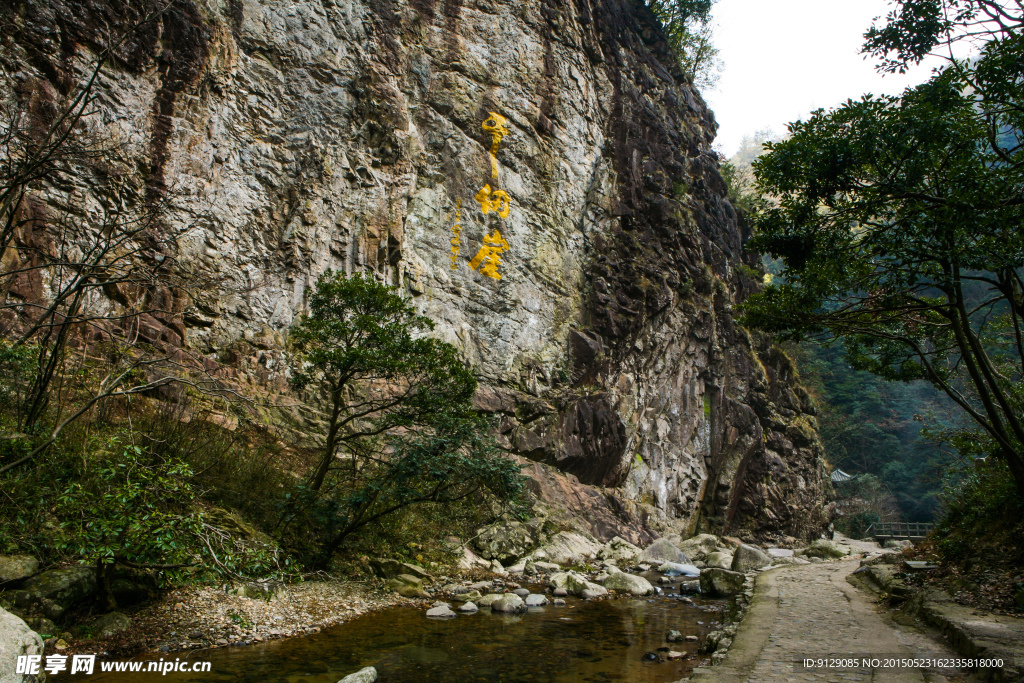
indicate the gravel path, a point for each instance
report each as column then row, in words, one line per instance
column 811, row 611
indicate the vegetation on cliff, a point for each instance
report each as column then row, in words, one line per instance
column 120, row 448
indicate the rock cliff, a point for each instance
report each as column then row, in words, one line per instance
column 289, row 137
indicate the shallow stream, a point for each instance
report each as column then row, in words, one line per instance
column 603, row 640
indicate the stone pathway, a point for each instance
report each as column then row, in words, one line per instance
column 811, row 611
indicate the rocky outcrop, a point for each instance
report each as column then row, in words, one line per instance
column 16, row 640
column 286, row 138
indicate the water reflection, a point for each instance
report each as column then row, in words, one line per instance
column 580, row 642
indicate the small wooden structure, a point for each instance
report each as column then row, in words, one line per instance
column 900, row 531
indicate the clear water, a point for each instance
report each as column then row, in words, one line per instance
column 582, row 641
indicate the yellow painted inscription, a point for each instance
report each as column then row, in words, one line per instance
column 489, row 257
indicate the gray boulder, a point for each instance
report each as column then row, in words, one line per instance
column 721, row 582
column 662, row 551
column 776, row 553
column 628, row 583
column 440, row 612
column 567, row 548
column 509, row 604
column 408, row 586
column 468, row 607
column 17, row 639
column 488, row 599
column 15, row 567
column 547, row 567
column 504, row 542
column 698, row 547
column 719, row 559
column 367, row 675
column 573, row 584
column 747, row 558
column 111, row 624
column 66, row 586
column 536, row 600
column 521, row 592
column 388, row 568
column 618, row 550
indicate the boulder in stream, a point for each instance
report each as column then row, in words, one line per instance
column 721, row 582
column 440, row 612
column 628, row 583
column 509, row 604
column 662, row 551
column 367, row 675
column 698, row 547
column 574, row 584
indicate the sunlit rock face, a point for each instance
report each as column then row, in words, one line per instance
column 290, row 137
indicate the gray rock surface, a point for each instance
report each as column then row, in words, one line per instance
column 719, row 559
column 16, row 639
column 67, row 586
column 110, row 624
column 15, row 567
column 567, row 549
column 488, row 600
column 748, row 557
column 504, row 542
column 508, row 604
column 628, row 583
column 297, row 137
column 662, row 551
column 573, row 584
column 721, row 582
column 441, row 612
column 618, row 550
column 366, row 675
column 698, row 547
column 468, row 607
column 535, row 600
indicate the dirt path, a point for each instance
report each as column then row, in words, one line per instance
column 811, row 611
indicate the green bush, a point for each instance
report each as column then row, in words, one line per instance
column 982, row 515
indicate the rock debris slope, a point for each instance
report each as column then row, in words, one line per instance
column 295, row 136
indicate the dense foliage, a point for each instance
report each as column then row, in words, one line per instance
column 897, row 220
column 400, row 428
column 687, row 26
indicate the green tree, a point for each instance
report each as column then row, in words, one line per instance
column 398, row 410
column 898, row 221
column 687, row 25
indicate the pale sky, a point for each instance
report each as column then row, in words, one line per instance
column 785, row 58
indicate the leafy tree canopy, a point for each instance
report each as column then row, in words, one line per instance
column 898, row 222
column 358, row 348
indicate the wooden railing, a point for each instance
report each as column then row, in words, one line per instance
column 911, row 531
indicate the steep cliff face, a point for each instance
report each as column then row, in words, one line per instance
column 293, row 137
